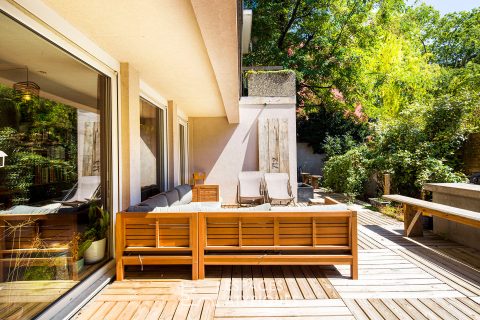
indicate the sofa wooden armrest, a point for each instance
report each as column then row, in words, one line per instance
column 147, row 238
column 278, row 238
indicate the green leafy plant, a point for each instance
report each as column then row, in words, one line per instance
column 99, row 220
column 78, row 246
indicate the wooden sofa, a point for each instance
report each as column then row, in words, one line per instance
column 278, row 238
column 228, row 237
column 147, row 238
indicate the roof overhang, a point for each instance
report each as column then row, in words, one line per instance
column 185, row 50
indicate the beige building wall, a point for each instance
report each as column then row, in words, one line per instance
column 130, row 134
column 222, row 150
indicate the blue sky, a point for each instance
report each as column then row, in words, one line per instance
column 446, row 6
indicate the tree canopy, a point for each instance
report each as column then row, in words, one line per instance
column 379, row 73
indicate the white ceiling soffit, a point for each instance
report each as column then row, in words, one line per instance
column 217, row 20
column 163, row 41
column 246, row 30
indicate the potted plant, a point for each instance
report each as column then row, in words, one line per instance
column 78, row 246
column 96, row 234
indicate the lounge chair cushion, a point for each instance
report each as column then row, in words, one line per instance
column 159, row 200
column 330, row 207
column 140, row 209
column 22, row 209
column 184, row 193
column 250, row 184
column 172, row 197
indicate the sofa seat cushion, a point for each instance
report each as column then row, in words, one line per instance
column 191, row 207
column 320, row 208
column 159, row 200
column 262, row 207
column 172, row 197
column 184, row 193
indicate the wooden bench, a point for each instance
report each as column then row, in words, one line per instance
column 148, row 238
column 278, row 238
column 414, row 208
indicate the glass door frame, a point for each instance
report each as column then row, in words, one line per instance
column 44, row 22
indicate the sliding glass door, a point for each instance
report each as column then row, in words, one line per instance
column 55, row 183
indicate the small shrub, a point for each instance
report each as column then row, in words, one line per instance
column 347, row 173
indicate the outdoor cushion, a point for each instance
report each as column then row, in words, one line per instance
column 330, row 207
column 191, row 207
column 184, row 193
column 22, row 209
column 262, row 207
column 172, row 197
column 159, row 200
column 140, row 209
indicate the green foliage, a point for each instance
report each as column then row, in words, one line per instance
column 99, row 220
column 347, row 173
column 415, row 148
column 28, row 131
column 330, row 131
column 33, row 273
column 455, row 39
column 381, row 87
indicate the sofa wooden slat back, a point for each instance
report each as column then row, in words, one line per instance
column 325, row 237
column 156, row 238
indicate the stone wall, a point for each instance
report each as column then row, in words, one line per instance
column 271, row 83
column 471, row 154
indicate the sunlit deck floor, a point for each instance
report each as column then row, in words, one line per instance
column 399, row 278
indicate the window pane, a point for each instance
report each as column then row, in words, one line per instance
column 54, row 172
column 151, row 147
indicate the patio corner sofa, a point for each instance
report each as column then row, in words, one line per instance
column 202, row 234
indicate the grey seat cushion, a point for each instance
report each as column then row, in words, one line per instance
column 172, row 197
column 159, row 200
column 140, row 209
column 184, row 193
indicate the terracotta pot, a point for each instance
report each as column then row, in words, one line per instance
column 96, row 251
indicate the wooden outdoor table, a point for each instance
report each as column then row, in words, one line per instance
column 305, row 177
column 315, row 179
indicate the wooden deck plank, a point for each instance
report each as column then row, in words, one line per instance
column 142, row 310
column 236, row 289
column 400, row 278
column 247, row 283
column 258, row 284
column 129, row 310
column 225, row 283
column 169, row 309
column 469, row 312
column 156, row 310
column 292, row 284
column 208, row 311
column 270, row 283
column 410, row 309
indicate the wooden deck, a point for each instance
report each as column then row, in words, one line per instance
column 399, row 278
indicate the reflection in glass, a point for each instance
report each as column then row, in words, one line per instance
column 52, row 184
